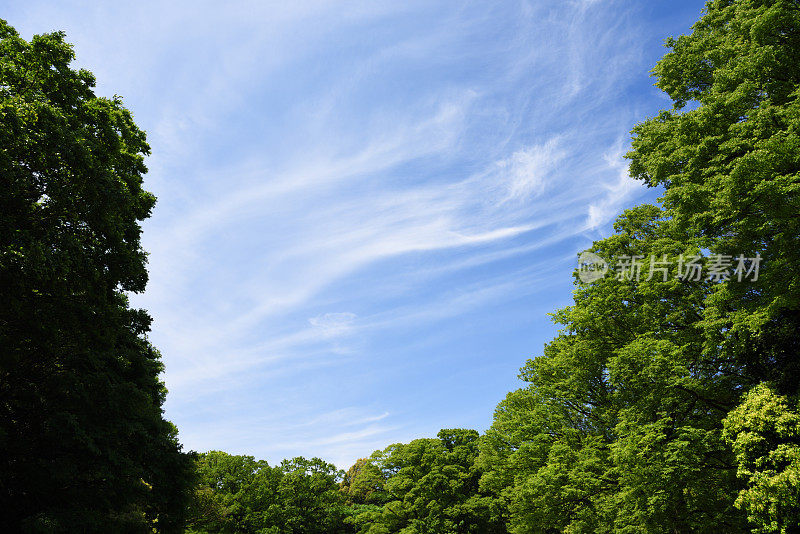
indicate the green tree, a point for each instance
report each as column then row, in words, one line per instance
column 363, row 483
column 83, row 440
column 428, row 485
column 621, row 426
column 764, row 431
column 619, row 429
column 238, row 494
column 309, row 496
column 730, row 168
column 222, row 481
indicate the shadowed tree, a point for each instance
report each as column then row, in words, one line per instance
column 83, row 440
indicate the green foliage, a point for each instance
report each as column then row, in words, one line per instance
column 619, row 429
column 621, row 426
column 428, row 485
column 237, row 494
column 764, row 431
column 85, row 447
column 731, row 171
column 363, row 483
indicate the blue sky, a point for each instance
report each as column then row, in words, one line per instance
column 366, row 209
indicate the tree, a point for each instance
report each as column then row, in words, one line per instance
column 222, row 479
column 238, row 494
column 310, row 498
column 363, row 483
column 764, row 431
column 730, row 168
column 621, row 426
column 428, row 485
column 84, row 443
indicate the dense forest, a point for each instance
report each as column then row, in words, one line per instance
column 668, row 401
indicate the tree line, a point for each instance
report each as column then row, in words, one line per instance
column 664, row 403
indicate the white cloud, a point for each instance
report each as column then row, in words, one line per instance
column 333, row 324
column 617, row 192
column 527, row 170
column 407, row 162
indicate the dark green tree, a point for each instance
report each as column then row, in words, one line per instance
column 238, row 494
column 83, row 442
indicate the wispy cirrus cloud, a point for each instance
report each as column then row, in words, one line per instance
column 365, row 208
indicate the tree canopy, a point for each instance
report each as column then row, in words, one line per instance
column 85, row 446
column 628, row 418
column 238, row 494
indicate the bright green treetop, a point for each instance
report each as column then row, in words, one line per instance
column 765, row 434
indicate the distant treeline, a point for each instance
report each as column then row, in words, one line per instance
column 428, row 485
column 667, row 403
